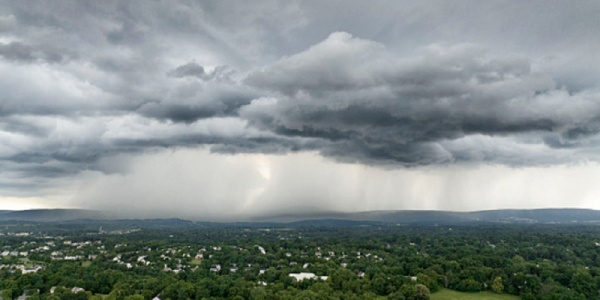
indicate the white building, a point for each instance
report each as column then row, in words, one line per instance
column 302, row 276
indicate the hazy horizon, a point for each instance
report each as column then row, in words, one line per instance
column 221, row 108
column 546, row 215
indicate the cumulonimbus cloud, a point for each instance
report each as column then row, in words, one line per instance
column 372, row 106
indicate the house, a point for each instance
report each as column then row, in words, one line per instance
column 27, row 270
column 302, row 276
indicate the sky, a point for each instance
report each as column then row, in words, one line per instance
column 230, row 109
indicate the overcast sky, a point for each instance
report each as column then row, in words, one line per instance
column 217, row 109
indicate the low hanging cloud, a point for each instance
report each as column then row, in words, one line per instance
column 377, row 108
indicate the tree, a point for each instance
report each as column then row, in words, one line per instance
column 468, row 285
column 343, row 280
column 258, row 293
column 306, row 295
column 583, row 282
column 7, row 294
column 180, row 290
column 412, row 292
column 397, row 295
column 421, row 292
column 497, row 285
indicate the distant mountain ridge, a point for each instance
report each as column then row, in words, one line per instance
column 546, row 215
column 50, row 215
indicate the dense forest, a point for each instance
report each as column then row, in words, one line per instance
column 179, row 260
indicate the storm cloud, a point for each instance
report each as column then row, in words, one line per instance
column 433, row 107
column 392, row 85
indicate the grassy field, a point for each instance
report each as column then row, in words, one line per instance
column 452, row 295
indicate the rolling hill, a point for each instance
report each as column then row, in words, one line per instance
column 540, row 216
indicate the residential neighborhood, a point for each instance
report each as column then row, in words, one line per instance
column 153, row 260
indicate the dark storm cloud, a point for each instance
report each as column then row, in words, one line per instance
column 191, row 69
column 191, row 101
column 404, row 84
column 375, row 106
column 24, row 53
column 195, row 70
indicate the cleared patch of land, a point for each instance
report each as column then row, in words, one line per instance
column 452, row 295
